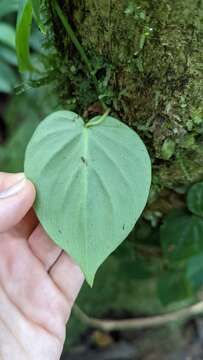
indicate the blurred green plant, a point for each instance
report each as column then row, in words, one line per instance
column 23, row 29
column 15, row 44
column 21, row 116
column 181, row 236
column 8, row 62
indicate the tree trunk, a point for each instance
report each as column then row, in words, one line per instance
column 147, row 57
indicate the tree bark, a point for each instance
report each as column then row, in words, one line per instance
column 147, row 59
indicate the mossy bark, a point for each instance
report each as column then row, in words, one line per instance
column 147, row 57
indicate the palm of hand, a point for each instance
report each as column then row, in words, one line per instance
column 38, row 285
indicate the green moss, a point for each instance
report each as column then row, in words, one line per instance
column 147, row 57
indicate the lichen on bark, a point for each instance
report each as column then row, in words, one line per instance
column 147, row 58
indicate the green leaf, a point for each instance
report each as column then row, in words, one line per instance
column 139, row 269
column 8, row 55
column 7, row 78
column 182, row 237
column 7, row 7
column 92, row 184
column 173, row 286
column 195, row 199
column 195, row 271
column 14, row 150
column 175, row 213
column 5, row 86
column 7, row 35
column 167, row 149
column 23, row 30
column 36, row 11
column 136, row 267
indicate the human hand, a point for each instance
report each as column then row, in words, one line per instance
column 38, row 281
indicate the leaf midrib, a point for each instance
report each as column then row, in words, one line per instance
column 85, row 174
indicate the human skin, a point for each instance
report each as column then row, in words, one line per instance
column 38, row 281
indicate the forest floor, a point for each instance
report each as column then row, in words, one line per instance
column 180, row 343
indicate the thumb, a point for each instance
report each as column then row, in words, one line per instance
column 17, row 195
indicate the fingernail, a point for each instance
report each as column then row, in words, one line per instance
column 14, row 189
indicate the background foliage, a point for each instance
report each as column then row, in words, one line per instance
column 163, row 256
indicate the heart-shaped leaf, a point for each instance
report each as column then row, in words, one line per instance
column 174, row 286
column 92, row 184
column 195, row 199
column 182, row 237
column 194, row 270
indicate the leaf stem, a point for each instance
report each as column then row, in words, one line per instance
column 140, row 323
column 99, row 120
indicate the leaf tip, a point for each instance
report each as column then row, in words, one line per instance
column 90, row 279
